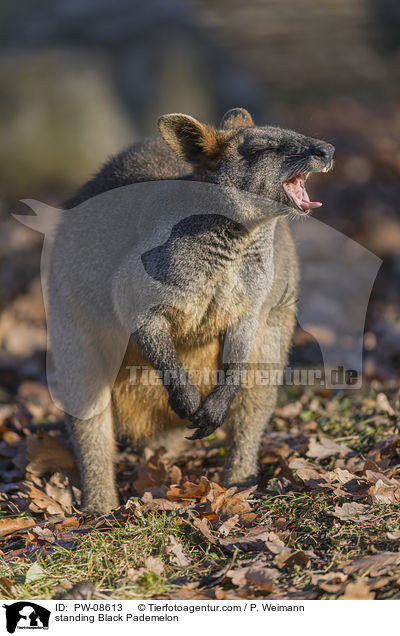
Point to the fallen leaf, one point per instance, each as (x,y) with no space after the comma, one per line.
(291,410)
(11,525)
(375,564)
(204,526)
(382,493)
(351,512)
(262,577)
(331,582)
(326,447)
(40,502)
(155,472)
(175,552)
(253,539)
(187,491)
(227,526)
(226,504)
(34,573)
(59,488)
(393,536)
(8,585)
(288,558)
(154,564)
(46,455)
(383,404)
(356,591)
(43,534)
(83,590)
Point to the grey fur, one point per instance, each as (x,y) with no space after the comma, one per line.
(247,268)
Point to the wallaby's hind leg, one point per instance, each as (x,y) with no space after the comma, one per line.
(253,407)
(94,446)
(246,423)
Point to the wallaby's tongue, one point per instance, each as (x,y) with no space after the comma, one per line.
(296,191)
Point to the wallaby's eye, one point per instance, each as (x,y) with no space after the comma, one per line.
(253,152)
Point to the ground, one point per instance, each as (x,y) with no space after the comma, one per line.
(323,522)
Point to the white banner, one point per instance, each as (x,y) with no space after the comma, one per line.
(174,617)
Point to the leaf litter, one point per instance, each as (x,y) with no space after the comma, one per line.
(324,512)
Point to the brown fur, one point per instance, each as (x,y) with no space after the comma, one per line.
(207,145)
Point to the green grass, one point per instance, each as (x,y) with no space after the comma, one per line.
(111,559)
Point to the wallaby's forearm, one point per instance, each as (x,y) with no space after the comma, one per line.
(238,343)
(154,342)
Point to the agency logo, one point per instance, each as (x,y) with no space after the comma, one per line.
(26,615)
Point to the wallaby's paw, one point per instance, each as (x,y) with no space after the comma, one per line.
(185,400)
(208,417)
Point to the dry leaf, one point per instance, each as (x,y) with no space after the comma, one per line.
(356,591)
(46,455)
(59,489)
(40,502)
(383,404)
(291,410)
(154,473)
(228,525)
(8,585)
(188,491)
(331,582)
(175,552)
(204,526)
(18,523)
(226,504)
(288,558)
(154,564)
(382,493)
(262,577)
(326,447)
(351,512)
(253,539)
(43,534)
(375,564)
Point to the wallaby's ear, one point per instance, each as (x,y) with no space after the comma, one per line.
(197,143)
(236,118)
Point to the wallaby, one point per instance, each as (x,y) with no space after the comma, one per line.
(254,272)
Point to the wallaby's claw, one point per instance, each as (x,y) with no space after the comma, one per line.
(201,422)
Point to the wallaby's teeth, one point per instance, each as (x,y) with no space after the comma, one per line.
(297,193)
(314,204)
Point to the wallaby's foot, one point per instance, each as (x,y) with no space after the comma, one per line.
(241,482)
(99,503)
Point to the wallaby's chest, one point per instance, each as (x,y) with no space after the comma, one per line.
(209,272)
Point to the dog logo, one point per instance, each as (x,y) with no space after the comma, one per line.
(26,615)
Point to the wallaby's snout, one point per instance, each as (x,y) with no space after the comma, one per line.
(325,152)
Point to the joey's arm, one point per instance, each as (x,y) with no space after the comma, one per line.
(154,342)
(238,343)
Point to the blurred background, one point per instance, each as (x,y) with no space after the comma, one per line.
(82,79)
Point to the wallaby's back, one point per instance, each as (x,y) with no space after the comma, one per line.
(150,160)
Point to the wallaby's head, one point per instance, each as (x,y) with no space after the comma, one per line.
(264,160)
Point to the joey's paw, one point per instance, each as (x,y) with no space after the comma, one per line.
(184,400)
(208,417)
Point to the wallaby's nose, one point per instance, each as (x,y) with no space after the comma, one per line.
(325,151)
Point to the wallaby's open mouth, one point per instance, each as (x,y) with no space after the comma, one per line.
(297,193)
